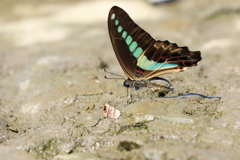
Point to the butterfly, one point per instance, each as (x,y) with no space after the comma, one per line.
(141,57)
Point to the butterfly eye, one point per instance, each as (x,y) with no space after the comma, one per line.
(126,84)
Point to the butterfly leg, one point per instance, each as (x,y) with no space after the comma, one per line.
(129,97)
(152,92)
(146,84)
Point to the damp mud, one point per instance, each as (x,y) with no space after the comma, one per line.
(53,90)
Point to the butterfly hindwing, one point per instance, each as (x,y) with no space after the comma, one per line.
(166,57)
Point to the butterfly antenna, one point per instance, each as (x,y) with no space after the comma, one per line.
(121,77)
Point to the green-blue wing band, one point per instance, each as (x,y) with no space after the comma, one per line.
(145,64)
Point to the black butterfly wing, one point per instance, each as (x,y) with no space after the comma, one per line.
(140,56)
(121,30)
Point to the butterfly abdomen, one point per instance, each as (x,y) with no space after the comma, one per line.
(160,83)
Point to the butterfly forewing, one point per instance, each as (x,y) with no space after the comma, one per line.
(128,40)
(140,56)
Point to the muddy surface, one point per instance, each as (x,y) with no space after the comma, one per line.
(53,90)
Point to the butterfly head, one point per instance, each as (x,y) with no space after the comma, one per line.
(128,83)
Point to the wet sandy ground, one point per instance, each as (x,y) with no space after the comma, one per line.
(52,89)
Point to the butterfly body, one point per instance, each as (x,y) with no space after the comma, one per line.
(157,82)
(141,57)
